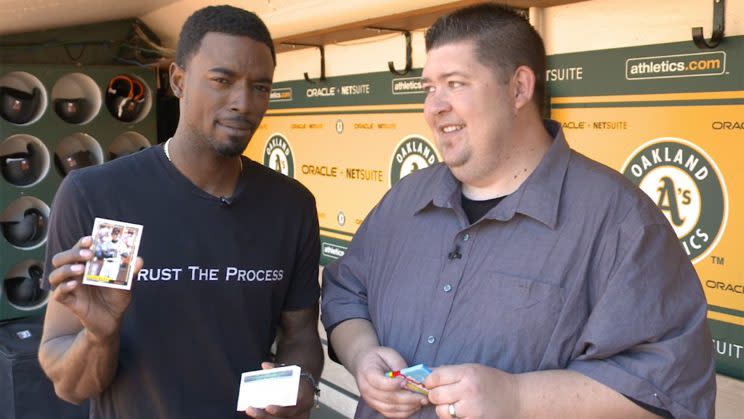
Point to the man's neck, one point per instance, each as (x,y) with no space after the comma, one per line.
(215,174)
(528,147)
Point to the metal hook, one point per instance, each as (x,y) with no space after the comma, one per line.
(322,60)
(718,26)
(409,51)
(322,66)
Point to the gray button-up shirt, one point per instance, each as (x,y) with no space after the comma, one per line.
(577,269)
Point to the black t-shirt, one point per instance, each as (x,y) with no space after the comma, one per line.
(217,276)
(475,210)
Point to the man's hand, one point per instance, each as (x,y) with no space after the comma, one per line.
(80,345)
(99,309)
(356,345)
(476,391)
(305,402)
(297,343)
(384,394)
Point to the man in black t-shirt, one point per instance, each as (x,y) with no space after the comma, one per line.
(229,251)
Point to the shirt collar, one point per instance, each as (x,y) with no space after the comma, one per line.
(538,197)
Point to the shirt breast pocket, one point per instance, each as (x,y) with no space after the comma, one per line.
(512,319)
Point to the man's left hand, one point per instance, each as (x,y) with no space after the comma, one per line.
(305,402)
(475,391)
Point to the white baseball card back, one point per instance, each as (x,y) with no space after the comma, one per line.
(275,386)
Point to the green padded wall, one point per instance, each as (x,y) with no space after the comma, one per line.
(110,133)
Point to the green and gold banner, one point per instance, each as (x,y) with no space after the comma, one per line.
(670,117)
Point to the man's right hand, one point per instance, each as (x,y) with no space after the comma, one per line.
(384,394)
(99,309)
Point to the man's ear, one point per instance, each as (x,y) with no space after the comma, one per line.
(523,86)
(176,76)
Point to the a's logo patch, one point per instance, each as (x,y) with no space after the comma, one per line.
(688,188)
(413,153)
(278,155)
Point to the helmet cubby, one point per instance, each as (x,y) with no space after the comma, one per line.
(128,97)
(127,143)
(23,98)
(76,98)
(23,223)
(24,160)
(77,151)
(21,287)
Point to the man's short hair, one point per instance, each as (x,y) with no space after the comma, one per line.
(504,39)
(222,19)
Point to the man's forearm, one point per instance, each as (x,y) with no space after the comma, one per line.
(351,338)
(298,341)
(305,351)
(80,366)
(566,393)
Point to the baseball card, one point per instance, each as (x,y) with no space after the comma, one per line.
(275,386)
(415,376)
(115,246)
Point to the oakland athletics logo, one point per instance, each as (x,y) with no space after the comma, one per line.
(688,188)
(413,153)
(278,155)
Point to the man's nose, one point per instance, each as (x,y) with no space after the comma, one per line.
(437,103)
(242,99)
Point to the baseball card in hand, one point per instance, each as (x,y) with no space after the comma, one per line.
(275,386)
(414,377)
(115,246)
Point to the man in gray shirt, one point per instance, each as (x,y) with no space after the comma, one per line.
(534,281)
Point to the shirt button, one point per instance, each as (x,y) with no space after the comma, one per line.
(431,339)
(466,237)
(447,288)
